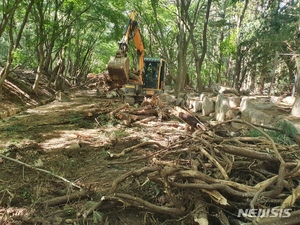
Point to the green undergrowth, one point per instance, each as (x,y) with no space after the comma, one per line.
(77,119)
(285,136)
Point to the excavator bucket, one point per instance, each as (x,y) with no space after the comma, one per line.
(118,70)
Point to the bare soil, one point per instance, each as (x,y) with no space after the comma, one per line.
(73,140)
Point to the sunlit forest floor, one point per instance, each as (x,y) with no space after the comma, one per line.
(57,149)
(73,140)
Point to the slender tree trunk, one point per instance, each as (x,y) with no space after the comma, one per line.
(8,12)
(13,44)
(182,6)
(239,59)
(5,70)
(220,54)
(275,65)
(51,42)
(40,46)
(220,60)
(261,81)
(296,107)
(252,80)
(199,61)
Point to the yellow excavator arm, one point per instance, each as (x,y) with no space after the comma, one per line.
(118,66)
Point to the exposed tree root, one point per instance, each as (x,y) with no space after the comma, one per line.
(67,198)
(225,170)
(132,201)
(127,150)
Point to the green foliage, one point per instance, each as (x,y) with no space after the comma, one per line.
(86,34)
(277,137)
(285,137)
(97,217)
(154,4)
(79,120)
(228,46)
(288,128)
(120,133)
(26,193)
(103,119)
(19,57)
(14,128)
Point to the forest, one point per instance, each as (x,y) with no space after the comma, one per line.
(244,44)
(70,154)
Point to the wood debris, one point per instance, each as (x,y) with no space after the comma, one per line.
(206,174)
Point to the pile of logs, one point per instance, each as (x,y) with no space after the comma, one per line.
(153,109)
(101,81)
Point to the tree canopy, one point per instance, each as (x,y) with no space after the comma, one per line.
(203,41)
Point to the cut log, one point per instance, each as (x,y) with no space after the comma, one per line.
(188,118)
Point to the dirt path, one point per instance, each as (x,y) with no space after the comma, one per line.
(73,140)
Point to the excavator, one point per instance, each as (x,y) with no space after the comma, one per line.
(148,78)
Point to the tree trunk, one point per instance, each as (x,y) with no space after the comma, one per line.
(182,42)
(13,43)
(238,62)
(7,11)
(5,71)
(275,64)
(220,54)
(220,60)
(199,61)
(296,107)
(40,46)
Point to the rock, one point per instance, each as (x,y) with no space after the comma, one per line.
(220,89)
(222,106)
(167,98)
(229,114)
(194,104)
(247,102)
(275,99)
(245,92)
(208,106)
(255,116)
(289,100)
(256,103)
(234,101)
(296,108)
(182,95)
(202,95)
(168,89)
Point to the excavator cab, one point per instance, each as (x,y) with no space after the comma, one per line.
(154,73)
(153,78)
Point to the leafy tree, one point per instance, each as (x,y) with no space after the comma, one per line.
(14,31)
(202,41)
